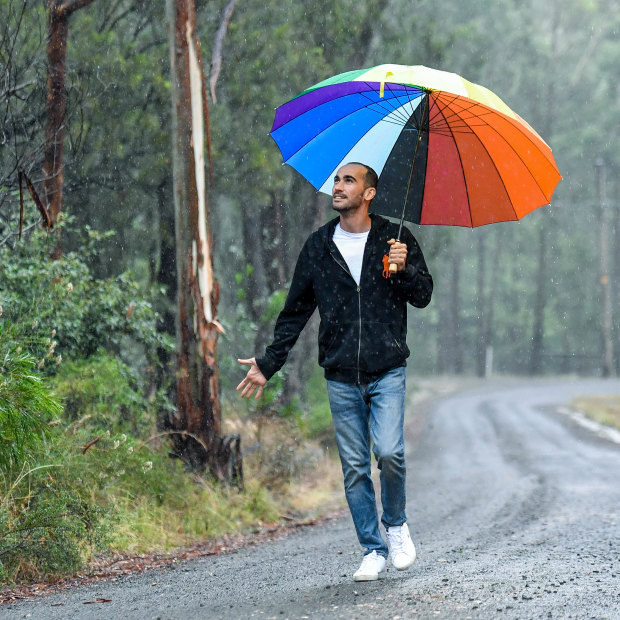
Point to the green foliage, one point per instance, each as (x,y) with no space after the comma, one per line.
(86,491)
(45,517)
(47,523)
(60,310)
(26,406)
(102,392)
(53,506)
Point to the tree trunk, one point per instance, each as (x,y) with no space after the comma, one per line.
(256,287)
(616,281)
(482,331)
(165,274)
(59,12)
(490,306)
(538,329)
(455,326)
(299,370)
(539,305)
(197,420)
(607,352)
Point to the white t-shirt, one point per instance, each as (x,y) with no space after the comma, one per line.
(351,246)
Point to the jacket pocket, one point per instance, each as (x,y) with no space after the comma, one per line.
(381,348)
(338,347)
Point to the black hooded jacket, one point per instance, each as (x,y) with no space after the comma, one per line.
(363,328)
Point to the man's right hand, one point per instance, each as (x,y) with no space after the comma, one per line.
(253,380)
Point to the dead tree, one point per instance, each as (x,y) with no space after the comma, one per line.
(197,419)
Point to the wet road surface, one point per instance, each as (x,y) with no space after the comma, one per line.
(514,509)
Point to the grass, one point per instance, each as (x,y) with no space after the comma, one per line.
(206,512)
(93,483)
(603,409)
(141,501)
(286,477)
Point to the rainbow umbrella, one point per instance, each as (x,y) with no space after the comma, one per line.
(447,151)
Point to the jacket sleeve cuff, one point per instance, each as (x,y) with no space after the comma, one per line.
(267,367)
(407,274)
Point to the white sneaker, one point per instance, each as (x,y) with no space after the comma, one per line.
(371,569)
(401,546)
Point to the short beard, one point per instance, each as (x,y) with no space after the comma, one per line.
(346,208)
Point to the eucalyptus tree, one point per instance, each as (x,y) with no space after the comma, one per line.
(196,424)
(59,13)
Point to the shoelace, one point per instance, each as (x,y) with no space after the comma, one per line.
(397,539)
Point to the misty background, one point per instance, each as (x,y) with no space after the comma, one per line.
(526,298)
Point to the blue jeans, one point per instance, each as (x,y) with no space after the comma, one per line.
(361,413)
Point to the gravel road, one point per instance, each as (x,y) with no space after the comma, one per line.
(512,505)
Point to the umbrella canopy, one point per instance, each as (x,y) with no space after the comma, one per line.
(447,151)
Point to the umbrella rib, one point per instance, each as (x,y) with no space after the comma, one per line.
(388,102)
(494,166)
(382,119)
(467,108)
(413,109)
(454,114)
(385,104)
(407,92)
(522,130)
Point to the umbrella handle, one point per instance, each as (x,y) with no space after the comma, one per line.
(393,268)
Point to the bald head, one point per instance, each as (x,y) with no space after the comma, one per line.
(371,179)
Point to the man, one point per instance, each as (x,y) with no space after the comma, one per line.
(343,270)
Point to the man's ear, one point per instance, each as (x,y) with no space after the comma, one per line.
(370,193)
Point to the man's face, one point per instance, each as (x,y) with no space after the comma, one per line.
(349,189)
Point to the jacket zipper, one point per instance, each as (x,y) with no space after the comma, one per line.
(359,335)
(359,305)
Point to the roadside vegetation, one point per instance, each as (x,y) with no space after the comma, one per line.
(603,409)
(84,466)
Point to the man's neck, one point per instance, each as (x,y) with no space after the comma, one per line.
(355,222)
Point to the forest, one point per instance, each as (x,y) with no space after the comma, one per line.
(89,314)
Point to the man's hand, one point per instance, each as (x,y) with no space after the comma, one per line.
(398,254)
(254,379)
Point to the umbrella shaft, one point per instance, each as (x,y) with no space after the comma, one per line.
(415,156)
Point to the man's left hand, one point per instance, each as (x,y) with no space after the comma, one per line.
(398,254)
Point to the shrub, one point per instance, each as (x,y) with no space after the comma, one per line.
(26,406)
(45,519)
(59,307)
(102,392)
(47,523)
